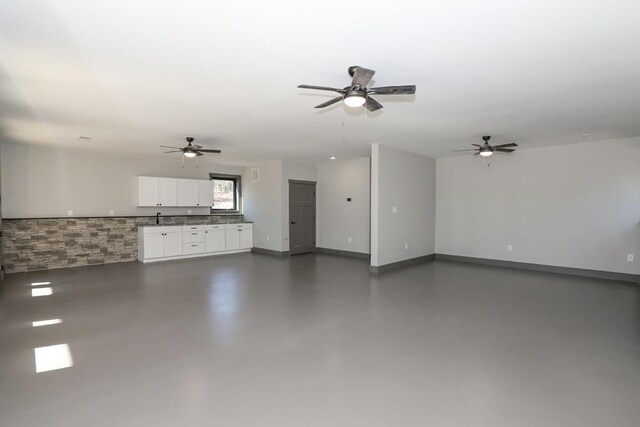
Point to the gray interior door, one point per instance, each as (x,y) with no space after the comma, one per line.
(302,217)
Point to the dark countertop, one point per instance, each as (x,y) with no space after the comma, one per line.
(204,223)
(122,216)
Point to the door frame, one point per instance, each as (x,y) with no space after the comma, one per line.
(310,183)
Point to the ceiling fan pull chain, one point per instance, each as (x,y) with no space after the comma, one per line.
(366,126)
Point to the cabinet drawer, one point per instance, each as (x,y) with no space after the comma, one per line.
(239,226)
(192,248)
(192,236)
(215,227)
(193,228)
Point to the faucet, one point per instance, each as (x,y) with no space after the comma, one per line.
(158,218)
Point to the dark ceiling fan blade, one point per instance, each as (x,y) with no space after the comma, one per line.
(477,154)
(504,150)
(333,89)
(198,154)
(460,151)
(206,150)
(173,151)
(372,105)
(330,102)
(362,76)
(394,90)
(512,144)
(168,146)
(477,145)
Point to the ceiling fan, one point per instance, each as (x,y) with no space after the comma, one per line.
(357,94)
(487,150)
(190,150)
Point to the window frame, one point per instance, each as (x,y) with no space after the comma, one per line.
(237,194)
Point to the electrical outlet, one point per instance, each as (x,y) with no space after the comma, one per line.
(69,212)
(630,257)
(509,248)
(394,209)
(406,246)
(111,212)
(349,240)
(268,238)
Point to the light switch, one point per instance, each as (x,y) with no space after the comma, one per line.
(394,210)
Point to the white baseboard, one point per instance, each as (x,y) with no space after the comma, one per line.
(169,258)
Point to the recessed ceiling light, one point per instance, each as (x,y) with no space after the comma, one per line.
(332,157)
(587,135)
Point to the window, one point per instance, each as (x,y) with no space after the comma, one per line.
(226,193)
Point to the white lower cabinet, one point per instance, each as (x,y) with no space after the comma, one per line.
(246,238)
(232,239)
(239,236)
(214,240)
(154,245)
(157,243)
(173,243)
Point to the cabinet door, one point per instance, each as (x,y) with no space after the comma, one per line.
(187,192)
(147,191)
(246,238)
(232,239)
(167,191)
(214,240)
(173,243)
(153,245)
(205,193)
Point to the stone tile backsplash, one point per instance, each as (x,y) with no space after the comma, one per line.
(43,244)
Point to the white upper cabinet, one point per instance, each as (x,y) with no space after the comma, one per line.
(154,191)
(205,193)
(187,190)
(167,192)
(147,191)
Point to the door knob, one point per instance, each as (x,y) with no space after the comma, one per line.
(293,222)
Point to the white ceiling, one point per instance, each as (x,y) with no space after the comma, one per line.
(135,74)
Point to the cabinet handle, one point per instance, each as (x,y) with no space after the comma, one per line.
(193,246)
(194,234)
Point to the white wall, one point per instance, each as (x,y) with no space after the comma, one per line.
(266,202)
(405,181)
(337,219)
(39,181)
(572,206)
(262,203)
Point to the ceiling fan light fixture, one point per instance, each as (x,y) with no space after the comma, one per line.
(355,98)
(190,154)
(486,153)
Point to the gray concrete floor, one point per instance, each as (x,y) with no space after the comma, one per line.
(250,340)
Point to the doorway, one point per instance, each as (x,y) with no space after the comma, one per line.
(302,217)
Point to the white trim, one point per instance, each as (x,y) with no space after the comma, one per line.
(169,258)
